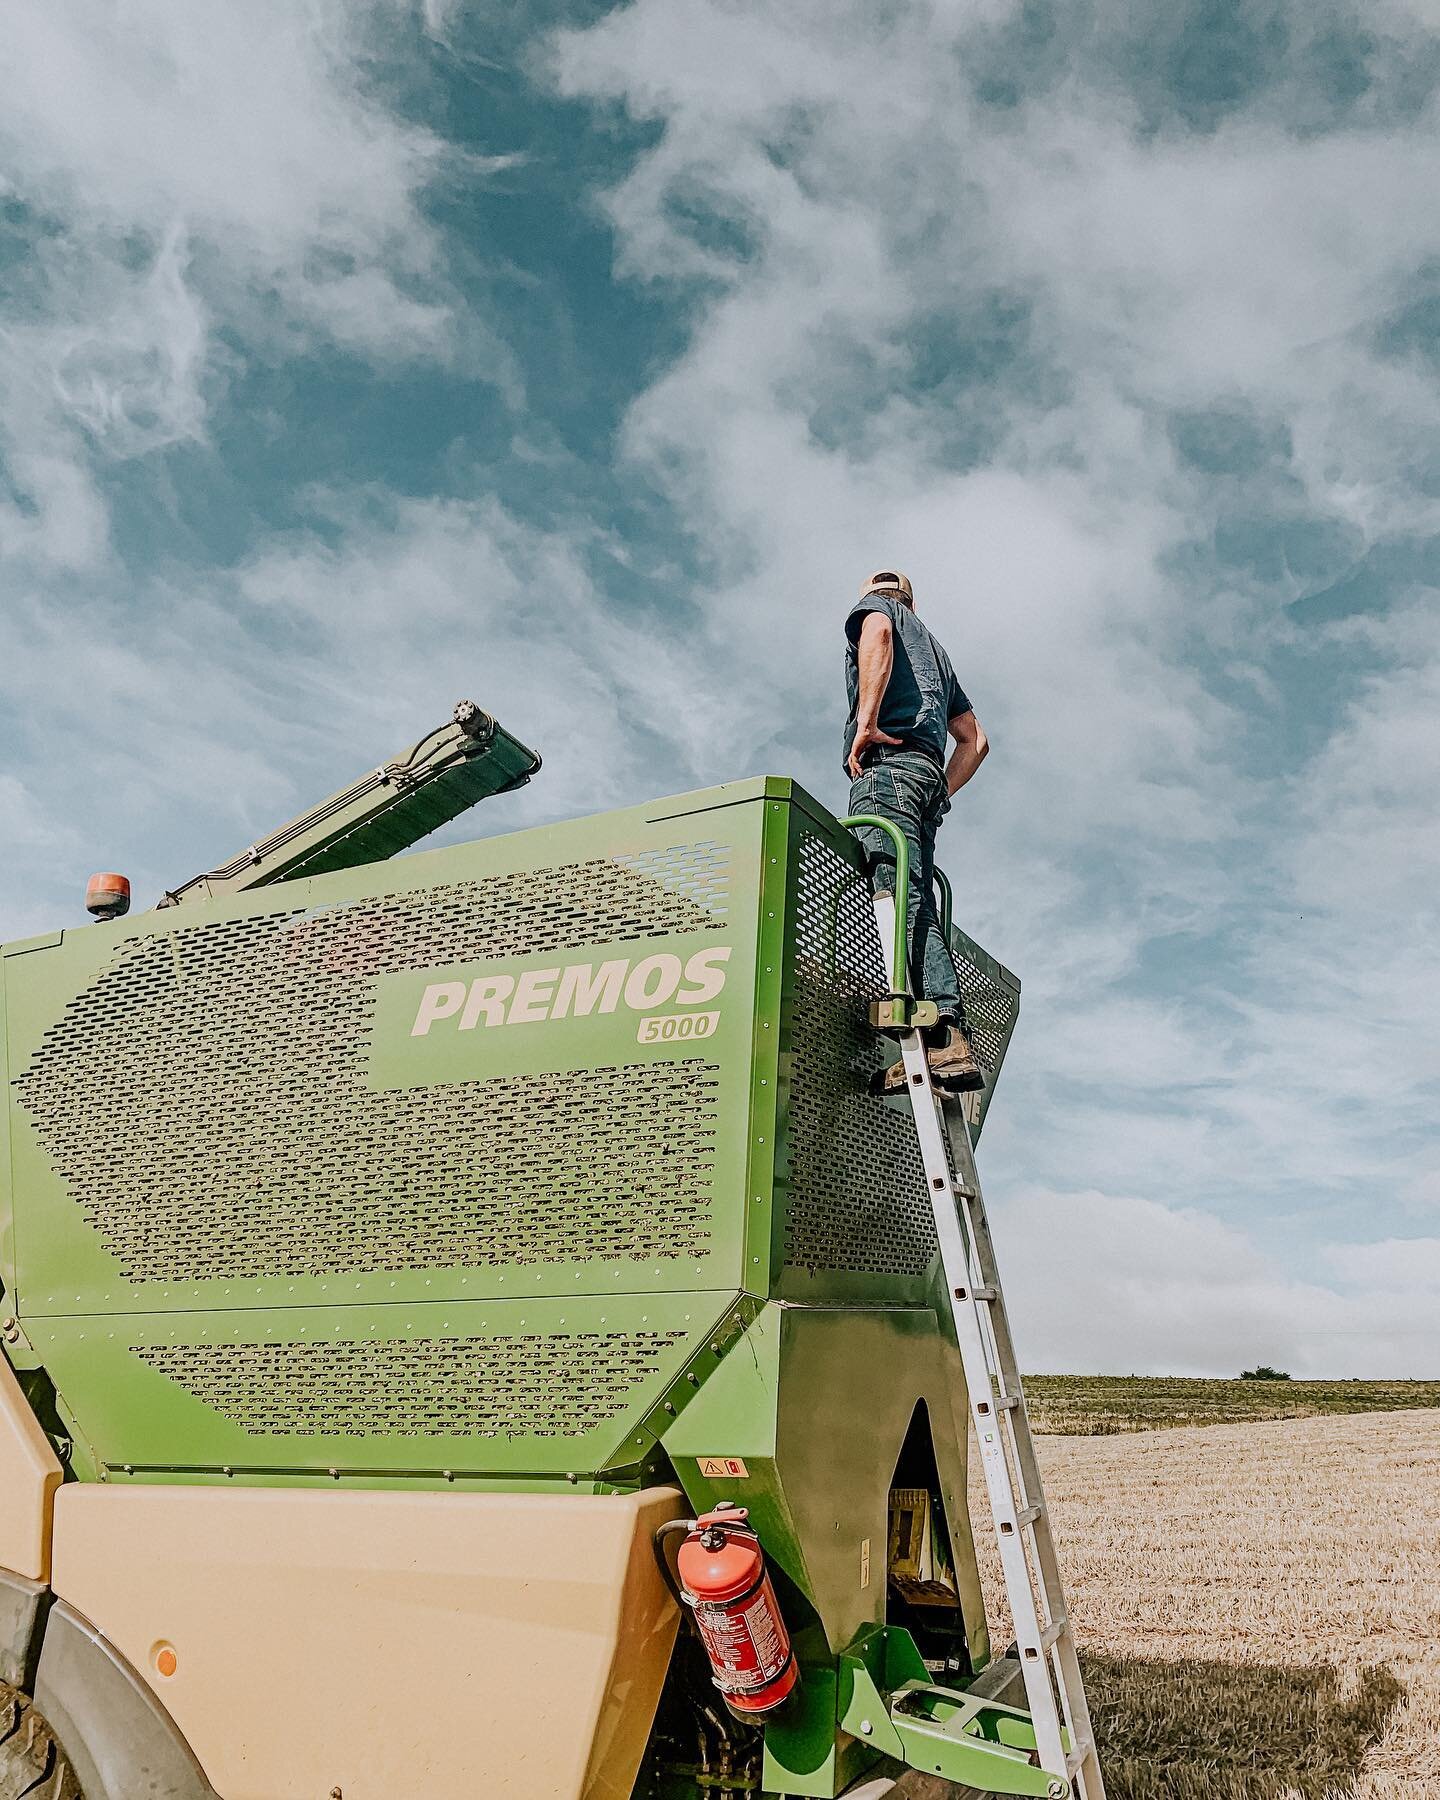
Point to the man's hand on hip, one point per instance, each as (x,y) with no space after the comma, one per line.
(866,736)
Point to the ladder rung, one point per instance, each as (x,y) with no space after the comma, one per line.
(1050,1636)
(1006,1402)
(1075,1761)
(984,1293)
(1026,1516)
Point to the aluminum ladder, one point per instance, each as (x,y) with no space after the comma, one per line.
(1054,1687)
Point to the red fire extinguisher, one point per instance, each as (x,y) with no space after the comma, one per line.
(724,1580)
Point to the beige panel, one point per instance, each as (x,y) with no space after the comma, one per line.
(385,1644)
(29,1475)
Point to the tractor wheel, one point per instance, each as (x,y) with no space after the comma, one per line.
(32,1764)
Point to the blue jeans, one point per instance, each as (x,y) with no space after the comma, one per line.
(908,788)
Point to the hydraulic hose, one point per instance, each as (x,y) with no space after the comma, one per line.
(662,1536)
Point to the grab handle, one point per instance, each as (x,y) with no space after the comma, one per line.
(900,976)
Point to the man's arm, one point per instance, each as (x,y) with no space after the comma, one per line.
(876,652)
(971,748)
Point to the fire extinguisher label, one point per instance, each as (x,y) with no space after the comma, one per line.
(746,1647)
(760,1622)
(728,1645)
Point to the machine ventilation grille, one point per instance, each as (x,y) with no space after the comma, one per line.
(858,1196)
(205,1098)
(564,1385)
(698,872)
(990,1012)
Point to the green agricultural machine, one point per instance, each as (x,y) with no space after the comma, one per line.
(395,1250)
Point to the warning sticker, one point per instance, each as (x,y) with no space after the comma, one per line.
(722,1468)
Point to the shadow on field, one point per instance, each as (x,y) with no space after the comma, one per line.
(1218,1731)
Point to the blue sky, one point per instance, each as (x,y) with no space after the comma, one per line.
(357,356)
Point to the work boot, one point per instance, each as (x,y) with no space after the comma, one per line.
(953,1065)
(892,1080)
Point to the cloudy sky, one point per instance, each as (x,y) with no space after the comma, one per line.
(359,354)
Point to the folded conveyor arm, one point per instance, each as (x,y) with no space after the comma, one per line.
(384,812)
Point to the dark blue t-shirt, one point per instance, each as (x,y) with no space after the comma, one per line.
(922,695)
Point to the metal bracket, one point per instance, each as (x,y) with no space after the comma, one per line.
(901,1012)
(887,1700)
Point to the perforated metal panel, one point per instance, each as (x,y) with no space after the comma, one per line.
(698,872)
(990,1007)
(857,1203)
(205,1097)
(857,1194)
(564,1384)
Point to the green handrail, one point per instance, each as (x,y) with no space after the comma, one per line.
(900,971)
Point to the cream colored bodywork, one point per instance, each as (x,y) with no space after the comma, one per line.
(29,1475)
(383,1644)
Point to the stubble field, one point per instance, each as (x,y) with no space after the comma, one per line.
(1257,1605)
(1102,1404)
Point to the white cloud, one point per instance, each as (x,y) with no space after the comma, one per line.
(39,844)
(174,170)
(1109,1284)
(836,256)
(216,709)
(127,366)
(250,128)
(1347,979)
(1394,1265)
(423,593)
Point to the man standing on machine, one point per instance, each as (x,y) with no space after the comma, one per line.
(905,707)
